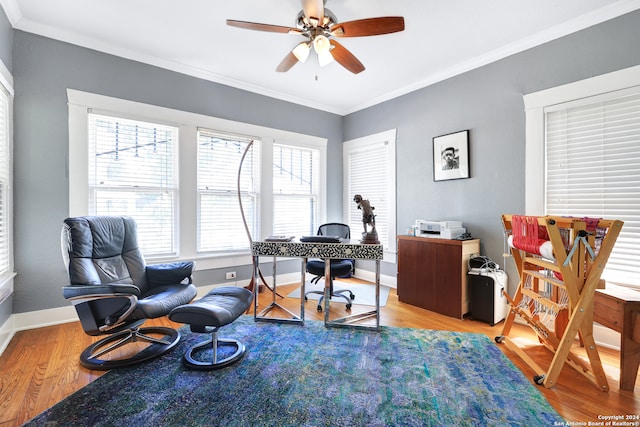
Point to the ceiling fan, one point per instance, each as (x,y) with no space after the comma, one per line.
(318,25)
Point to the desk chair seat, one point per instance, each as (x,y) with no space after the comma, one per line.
(339,267)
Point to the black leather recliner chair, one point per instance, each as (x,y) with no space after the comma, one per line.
(114,292)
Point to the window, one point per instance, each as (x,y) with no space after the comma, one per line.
(593,170)
(132,171)
(295,190)
(369,170)
(5,186)
(179,170)
(583,159)
(220,225)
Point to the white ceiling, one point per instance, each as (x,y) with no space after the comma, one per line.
(441,39)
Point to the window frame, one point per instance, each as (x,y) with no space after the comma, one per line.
(536,106)
(388,138)
(80,103)
(316,192)
(6,277)
(253,156)
(134,190)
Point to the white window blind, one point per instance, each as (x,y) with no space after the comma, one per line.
(5,183)
(295,190)
(368,175)
(593,170)
(220,226)
(133,171)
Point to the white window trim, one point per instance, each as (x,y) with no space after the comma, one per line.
(388,136)
(535,104)
(80,103)
(6,280)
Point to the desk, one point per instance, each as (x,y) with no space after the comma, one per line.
(351,249)
(619,309)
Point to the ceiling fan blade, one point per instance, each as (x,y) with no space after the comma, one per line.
(369,27)
(263,27)
(345,58)
(289,61)
(313,11)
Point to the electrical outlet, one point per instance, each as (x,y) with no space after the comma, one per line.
(230,275)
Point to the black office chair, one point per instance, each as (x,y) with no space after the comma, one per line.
(114,292)
(339,267)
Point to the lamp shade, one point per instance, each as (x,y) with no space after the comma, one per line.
(301,52)
(325,58)
(321,44)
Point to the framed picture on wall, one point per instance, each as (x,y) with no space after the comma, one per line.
(451,156)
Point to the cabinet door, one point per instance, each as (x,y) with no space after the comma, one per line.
(446,283)
(416,276)
(407,271)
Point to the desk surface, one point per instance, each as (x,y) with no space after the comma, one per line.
(351,249)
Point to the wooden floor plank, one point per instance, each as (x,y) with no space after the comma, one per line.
(40,367)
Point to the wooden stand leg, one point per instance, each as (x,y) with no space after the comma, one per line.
(630,352)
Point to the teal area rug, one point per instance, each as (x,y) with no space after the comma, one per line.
(309,375)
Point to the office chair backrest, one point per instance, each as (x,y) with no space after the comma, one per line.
(102,250)
(335,229)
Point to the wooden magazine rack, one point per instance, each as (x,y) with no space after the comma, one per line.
(559,261)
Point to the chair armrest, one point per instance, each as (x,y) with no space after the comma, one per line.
(75,291)
(113,315)
(169,273)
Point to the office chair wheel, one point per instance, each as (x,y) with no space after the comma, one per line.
(319,308)
(348,306)
(352,296)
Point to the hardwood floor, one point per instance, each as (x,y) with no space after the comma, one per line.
(40,367)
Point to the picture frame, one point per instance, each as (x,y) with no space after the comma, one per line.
(451,156)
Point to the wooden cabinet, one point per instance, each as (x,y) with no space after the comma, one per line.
(432,273)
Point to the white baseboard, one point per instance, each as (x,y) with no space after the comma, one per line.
(7,331)
(43,318)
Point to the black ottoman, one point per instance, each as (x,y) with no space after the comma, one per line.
(219,307)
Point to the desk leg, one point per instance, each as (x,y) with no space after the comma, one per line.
(327,289)
(303,280)
(275,285)
(262,316)
(255,288)
(348,321)
(377,295)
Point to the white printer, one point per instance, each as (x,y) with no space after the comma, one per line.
(439,229)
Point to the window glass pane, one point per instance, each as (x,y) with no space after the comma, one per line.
(295,190)
(132,171)
(368,177)
(593,170)
(220,225)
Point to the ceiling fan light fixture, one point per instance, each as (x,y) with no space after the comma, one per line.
(301,52)
(325,58)
(321,44)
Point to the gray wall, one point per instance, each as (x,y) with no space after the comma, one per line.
(487,101)
(43,69)
(6,40)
